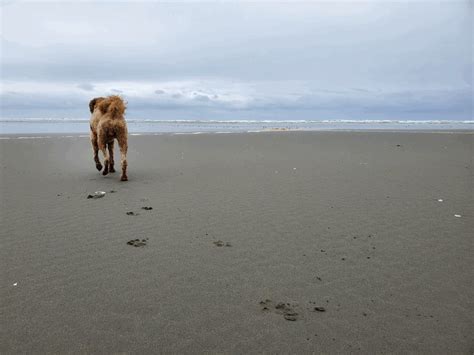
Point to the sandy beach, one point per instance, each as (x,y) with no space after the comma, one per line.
(277,242)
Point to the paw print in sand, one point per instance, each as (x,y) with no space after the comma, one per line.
(137,242)
(220,243)
(286,309)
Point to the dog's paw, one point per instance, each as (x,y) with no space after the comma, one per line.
(111,170)
(124,178)
(98,166)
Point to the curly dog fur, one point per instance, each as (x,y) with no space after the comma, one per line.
(108,123)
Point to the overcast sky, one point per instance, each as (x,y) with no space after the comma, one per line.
(239,60)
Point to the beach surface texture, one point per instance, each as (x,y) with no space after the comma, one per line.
(278,242)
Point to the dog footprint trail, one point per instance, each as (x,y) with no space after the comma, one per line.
(137,242)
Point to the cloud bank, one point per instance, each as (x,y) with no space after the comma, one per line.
(311,60)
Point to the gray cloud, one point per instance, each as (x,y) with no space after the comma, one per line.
(309,103)
(202,98)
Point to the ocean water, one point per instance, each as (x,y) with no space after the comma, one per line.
(74,126)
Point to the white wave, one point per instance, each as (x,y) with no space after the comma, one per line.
(231,122)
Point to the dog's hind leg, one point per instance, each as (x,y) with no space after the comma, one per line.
(123,156)
(103,148)
(95,148)
(110,146)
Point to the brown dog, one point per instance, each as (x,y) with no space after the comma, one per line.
(108,123)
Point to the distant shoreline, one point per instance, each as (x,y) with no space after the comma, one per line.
(78,126)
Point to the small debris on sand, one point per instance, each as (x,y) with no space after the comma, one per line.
(131,213)
(319,309)
(147,208)
(97,194)
(457,216)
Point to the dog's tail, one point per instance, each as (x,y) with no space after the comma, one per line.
(114,105)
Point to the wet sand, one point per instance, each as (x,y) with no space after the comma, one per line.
(284,242)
